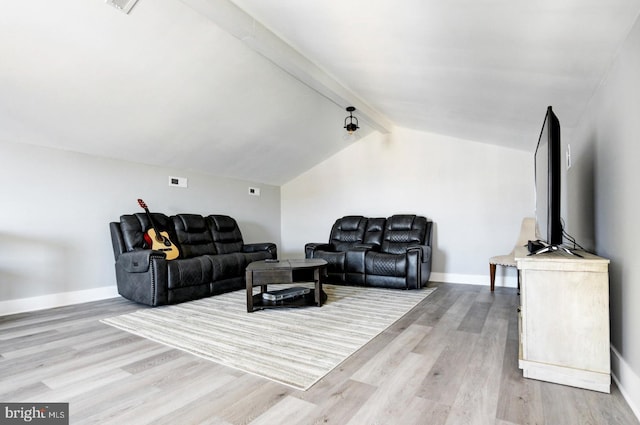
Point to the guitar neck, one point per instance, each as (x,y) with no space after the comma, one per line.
(153,223)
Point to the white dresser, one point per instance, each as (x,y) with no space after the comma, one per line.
(564,319)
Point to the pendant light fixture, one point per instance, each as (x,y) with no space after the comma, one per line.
(352,125)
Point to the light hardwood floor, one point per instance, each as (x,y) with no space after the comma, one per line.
(451,360)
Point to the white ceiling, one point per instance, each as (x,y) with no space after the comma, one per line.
(175,84)
(481,70)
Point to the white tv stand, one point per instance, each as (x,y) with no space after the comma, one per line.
(564,319)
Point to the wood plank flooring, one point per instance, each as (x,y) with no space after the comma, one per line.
(451,360)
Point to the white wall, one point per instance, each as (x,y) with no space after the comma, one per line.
(56,206)
(476,194)
(604,201)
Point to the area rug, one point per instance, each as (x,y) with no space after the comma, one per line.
(293,346)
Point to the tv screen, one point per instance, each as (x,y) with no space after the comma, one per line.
(547,181)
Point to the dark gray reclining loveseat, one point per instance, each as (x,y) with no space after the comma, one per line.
(212,260)
(392,252)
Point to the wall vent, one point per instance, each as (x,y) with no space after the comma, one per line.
(123,5)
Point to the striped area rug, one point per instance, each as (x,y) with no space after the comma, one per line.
(293,346)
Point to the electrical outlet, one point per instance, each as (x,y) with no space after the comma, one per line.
(177,181)
(254,191)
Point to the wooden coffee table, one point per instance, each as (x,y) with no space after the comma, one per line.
(263,273)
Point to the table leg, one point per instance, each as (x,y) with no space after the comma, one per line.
(249,279)
(317,277)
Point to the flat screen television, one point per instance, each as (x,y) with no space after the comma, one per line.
(547,182)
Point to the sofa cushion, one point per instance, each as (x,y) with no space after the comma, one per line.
(225,233)
(226,266)
(189,272)
(384,264)
(193,235)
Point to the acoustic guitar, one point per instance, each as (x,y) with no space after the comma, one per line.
(158,240)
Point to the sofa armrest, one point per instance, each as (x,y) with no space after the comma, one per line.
(138,261)
(261,246)
(142,276)
(311,247)
(418,260)
(414,266)
(426,253)
(425,267)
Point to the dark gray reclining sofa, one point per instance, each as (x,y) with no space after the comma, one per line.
(212,260)
(392,252)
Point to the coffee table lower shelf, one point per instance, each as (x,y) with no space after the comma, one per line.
(302,301)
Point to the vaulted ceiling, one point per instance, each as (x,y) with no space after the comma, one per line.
(256,89)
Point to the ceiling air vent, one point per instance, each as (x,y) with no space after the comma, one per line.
(124,5)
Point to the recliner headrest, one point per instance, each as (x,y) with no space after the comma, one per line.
(223,223)
(350,222)
(401,222)
(192,223)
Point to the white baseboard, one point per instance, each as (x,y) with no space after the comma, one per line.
(505,280)
(627,381)
(41,302)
